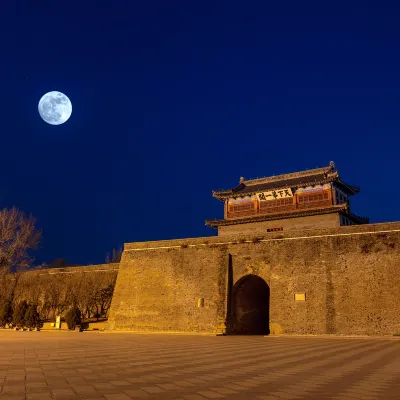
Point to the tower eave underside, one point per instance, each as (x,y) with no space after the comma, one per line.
(342,209)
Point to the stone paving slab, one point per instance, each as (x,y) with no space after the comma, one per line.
(73,365)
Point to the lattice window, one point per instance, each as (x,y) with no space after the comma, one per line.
(314,197)
(276,203)
(241,207)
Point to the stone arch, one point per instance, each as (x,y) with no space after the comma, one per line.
(249,303)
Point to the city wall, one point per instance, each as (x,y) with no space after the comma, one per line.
(350,277)
(55,289)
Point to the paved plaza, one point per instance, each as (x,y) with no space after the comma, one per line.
(123,366)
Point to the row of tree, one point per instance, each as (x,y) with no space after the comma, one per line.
(26,315)
(52,293)
(28,297)
(23,315)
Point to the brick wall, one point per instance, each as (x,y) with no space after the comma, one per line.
(158,290)
(309,222)
(86,268)
(350,276)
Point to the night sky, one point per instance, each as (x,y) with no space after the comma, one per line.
(172,100)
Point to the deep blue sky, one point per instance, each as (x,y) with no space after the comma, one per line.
(171,100)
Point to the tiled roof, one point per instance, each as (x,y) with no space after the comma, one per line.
(319,176)
(294,214)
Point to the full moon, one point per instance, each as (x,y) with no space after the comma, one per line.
(55,108)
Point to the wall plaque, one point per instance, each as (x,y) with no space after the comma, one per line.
(275,194)
(300,297)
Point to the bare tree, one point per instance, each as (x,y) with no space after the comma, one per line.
(84,285)
(115,257)
(53,298)
(104,299)
(7,285)
(101,294)
(54,293)
(18,235)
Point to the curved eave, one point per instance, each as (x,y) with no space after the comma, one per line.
(223,195)
(295,214)
(348,188)
(355,218)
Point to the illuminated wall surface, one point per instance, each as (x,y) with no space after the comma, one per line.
(342,280)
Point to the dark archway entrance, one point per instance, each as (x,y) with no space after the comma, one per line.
(249,311)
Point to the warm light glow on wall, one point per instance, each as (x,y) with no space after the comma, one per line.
(300,297)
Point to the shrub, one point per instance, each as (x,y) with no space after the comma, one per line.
(73,317)
(6,313)
(31,319)
(19,314)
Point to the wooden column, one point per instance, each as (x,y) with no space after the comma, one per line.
(333,193)
(330,196)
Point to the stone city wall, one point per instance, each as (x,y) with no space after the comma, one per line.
(350,277)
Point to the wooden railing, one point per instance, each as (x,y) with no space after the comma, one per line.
(264,210)
(238,214)
(316,204)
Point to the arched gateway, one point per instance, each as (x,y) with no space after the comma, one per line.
(249,307)
(188,285)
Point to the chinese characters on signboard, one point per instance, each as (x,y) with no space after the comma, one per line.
(275,194)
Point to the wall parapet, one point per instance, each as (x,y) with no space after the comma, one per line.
(77,269)
(366,229)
